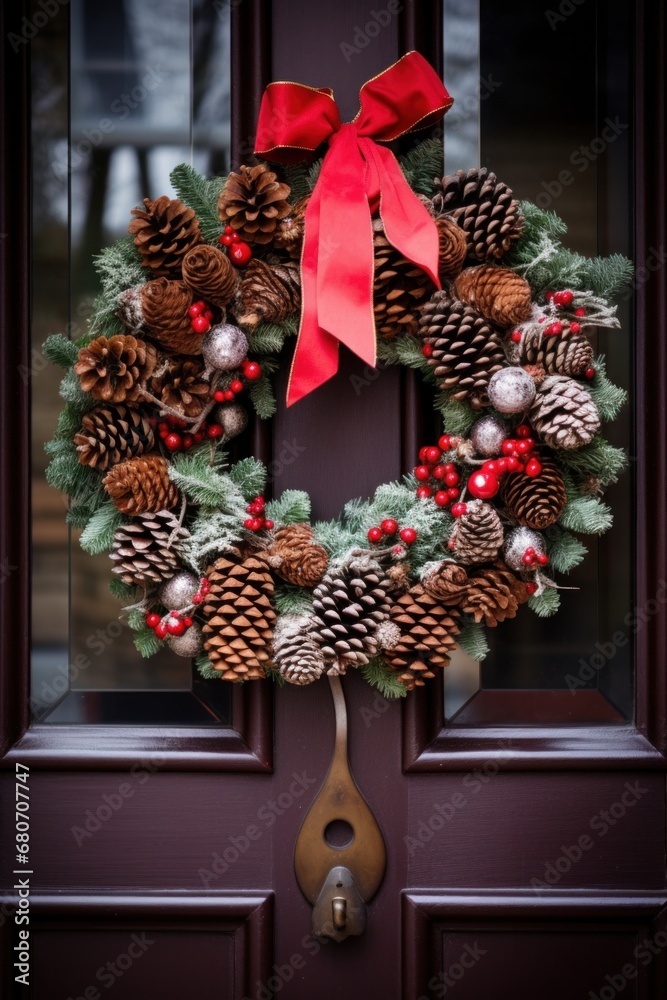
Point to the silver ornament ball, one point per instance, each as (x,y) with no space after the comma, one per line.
(233,418)
(178,592)
(517,541)
(224,347)
(511,390)
(187,644)
(488,434)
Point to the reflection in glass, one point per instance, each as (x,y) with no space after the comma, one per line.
(123,91)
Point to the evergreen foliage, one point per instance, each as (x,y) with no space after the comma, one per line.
(385,680)
(98,535)
(472,639)
(422,164)
(201,195)
(565,551)
(545,604)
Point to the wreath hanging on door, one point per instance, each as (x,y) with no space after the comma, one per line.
(470,288)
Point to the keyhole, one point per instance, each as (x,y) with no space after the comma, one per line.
(339,834)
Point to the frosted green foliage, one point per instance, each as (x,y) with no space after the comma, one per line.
(98,535)
(599,458)
(147,642)
(291,600)
(250,476)
(292,507)
(204,668)
(202,195)
(457,416)
(60,351)
(545,604)
(404,350)
(609,398)
(122,591)
(472,639)
(565,551)
(585,514)
(119,267)
(211,534)
(202,484)
(385,680)
(269,338)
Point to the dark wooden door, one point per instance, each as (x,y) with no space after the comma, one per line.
(525,829)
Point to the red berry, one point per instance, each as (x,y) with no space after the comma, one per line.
(483,485)
(553,329)
(580,311)
(444,442)
(533,468)
(564,298)
(195,309)
(491,467)
(548,296)
(163,426)
(523,431)
(513,463)
(227,239)
(422,473)
(257,523)
(260,501)
(389,526)
(187,621)
(173,441)
(440,472)
(239,253)
(515,336)
(188,441)
(228,395)
(197,598)
(590,373)
(199,436)
(164,433)
(408,536)
(374,535)
(268,524)
(422,453)
(508,446)
(442,498)
(575,327)
(520,467)
(229,231)
(161,630)
(219,395)
(452,479)
(251,370)
(176,626)
(204,585)
(236,386)
(458,509)
(432,455)
(543,559)
(209,315)
(531,587)
(200,324)
(153,619)
(453,493)
(527,560)
(424,492)
(450,467)
(530,551)
(215,430)
(248,523)
(524,446)
(501,466)
(427,350)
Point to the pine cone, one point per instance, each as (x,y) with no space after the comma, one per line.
(494,593)
(349,604)
(145,552)
(289,232)
(110,434)
(477,535)
(268,292)
(253,201)
(179,383)
(399,288)
(400,578)
(560,355)
(113,369)
(295,556)
(165,307)
(501,295)
(210,274)
(141,485)
(453,248)
(239,616)
(466,349)
(535,502)
(164,230)
(563,413)
(428,632)
(447,582)
(484,208)
(295,653)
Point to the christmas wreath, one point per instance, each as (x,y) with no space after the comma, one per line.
(196,305)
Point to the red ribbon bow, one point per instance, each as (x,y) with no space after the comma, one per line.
(357,178)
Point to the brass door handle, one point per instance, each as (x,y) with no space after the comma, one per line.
(339,881)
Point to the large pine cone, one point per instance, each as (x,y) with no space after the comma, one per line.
(254,201)
(500,294)
(289,232)
(179,383)
(113,369)
(239,616)
(477,535)
(295,556)
(349,604)
(484,208)
(559,355)
(494,593)
(141,485)
(268,293)
(295,652)
(210,274)
(145,551)
(400,288)
(164,230)
(466,349)
(428,635)
(538,501)
(110,434)
(447,582)
(563,413)
(164,306)
(453,248)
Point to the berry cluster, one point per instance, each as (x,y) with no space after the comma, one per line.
(201,316)
(250,370)
(173,623)
(257,521)
(238,252)
(516,457)
(556,327)
(174,434)
(438,479)
(202,592)
(388,529)
(531,558)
